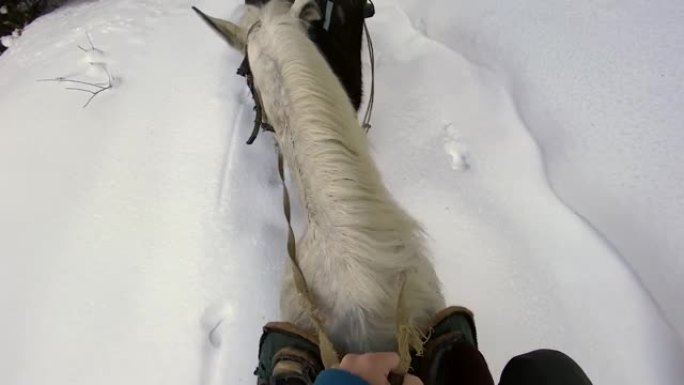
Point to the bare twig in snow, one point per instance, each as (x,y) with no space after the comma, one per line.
(92,47)
(97,88)
(64,79)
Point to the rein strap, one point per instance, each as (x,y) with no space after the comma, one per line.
(329,356)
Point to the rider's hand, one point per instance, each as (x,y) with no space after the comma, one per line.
(375,368)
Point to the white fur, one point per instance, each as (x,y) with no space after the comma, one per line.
(358,241)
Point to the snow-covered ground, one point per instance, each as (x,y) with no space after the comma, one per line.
(141,242)
(599,86)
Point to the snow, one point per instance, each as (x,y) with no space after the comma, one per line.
(598,85)
(143,241)
(3,10)
(8,40)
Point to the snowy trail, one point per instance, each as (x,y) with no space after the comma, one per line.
(143,242)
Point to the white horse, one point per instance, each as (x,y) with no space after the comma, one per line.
(359,245)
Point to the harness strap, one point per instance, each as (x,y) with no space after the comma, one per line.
(329,356)
(409,337)
(371,98)
(246,71)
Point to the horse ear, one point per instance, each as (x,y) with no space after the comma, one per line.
(233,34)
(306,10)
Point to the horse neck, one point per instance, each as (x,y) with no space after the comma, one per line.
(337,184)
(318,131)
(328,153)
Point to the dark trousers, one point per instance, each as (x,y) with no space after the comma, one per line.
(543,367)
(465,365)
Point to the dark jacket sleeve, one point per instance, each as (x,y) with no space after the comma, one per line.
(338,377)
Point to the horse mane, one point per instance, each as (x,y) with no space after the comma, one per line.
(358,241)
(329,118)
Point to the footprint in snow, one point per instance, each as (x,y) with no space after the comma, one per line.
(456,149)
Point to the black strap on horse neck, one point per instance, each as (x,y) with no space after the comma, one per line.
(245,71)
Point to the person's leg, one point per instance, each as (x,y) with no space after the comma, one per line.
(287,356)
(451,356)
(461,363)
(543,367)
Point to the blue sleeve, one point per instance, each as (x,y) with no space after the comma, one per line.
(338,377)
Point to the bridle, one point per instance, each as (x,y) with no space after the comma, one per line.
(245,71)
